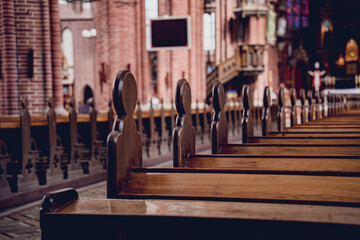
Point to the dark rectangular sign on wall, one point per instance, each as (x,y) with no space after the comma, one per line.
(170,33)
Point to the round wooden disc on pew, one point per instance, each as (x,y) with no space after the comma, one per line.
(183,97)
(124,93)
(219,97)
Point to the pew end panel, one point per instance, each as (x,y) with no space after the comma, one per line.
(246,120)
(266,118)
(219,127)
(293,113)
(124,142)
(281,110)
(184,133)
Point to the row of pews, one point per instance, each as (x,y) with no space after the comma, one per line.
(42,150)
(31,154)
(298,182)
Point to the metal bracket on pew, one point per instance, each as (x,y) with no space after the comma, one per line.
(281,110)
(293,114)
(124,141)
(219,128)
(246,121)
(183,134)
(266,113)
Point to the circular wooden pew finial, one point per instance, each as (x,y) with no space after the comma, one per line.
(267,97)
(183,97)
(219,97)
(124,93)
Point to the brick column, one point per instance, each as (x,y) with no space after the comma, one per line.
(9,57)
(55,28)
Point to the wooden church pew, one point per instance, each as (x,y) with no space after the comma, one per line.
(287,146)
(195,199)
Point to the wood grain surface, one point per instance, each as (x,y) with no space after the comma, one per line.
(283,149)
(263,187)
(276,164)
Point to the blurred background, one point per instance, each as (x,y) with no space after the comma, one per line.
(74,48)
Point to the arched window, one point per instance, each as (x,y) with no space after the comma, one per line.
(67,46)
(326,33)
(88,93)
(351,51)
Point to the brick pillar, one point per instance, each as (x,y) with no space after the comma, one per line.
(46,55)
(55,28)
(9,57)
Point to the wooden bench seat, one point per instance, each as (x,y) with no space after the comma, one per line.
(315,134)
(277,164)
(160,219)
(212,185)
(306,140)
(324,130)
(292,149)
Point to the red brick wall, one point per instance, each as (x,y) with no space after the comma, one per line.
(189,64)
(26,25)
(121,43)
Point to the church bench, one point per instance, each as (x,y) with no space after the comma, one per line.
(67,217)
(321,140)
(297,157)
(325,140)
(195,198)
(277,164)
